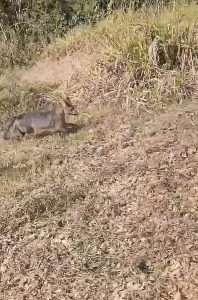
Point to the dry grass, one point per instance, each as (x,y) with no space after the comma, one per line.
(128,34)
(111,217)
(109,212)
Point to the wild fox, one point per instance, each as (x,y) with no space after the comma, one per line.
(41,122)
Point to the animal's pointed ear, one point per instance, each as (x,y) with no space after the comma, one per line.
(68,101)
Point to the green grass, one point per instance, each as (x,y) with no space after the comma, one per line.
(129,34)
(121,43)
(119,39)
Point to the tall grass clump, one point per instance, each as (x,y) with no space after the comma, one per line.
(129,34)
(121,41)
(122,33)
(25,31)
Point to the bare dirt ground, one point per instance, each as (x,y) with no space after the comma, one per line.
(107,213)
(59,70)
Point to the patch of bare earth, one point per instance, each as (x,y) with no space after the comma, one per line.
(61,70)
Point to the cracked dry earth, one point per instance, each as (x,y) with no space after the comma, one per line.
(112,215)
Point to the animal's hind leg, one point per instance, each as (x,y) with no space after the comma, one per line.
(20,129)
(19,134)
(16,132)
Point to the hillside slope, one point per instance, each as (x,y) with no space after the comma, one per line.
(111,217)
(109,212)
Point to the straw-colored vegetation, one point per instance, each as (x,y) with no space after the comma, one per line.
(109,212)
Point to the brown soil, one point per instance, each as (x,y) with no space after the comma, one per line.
(60,70)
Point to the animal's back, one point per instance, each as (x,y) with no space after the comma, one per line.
(38,123)
(37,119)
